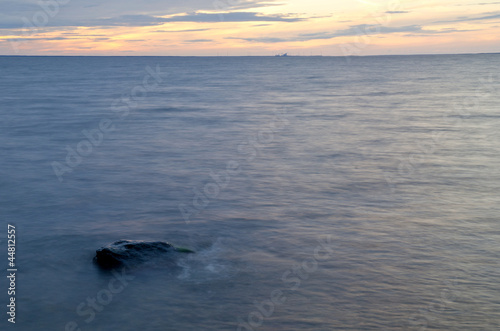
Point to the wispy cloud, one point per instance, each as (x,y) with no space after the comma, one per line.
(199,41)
(181,31)
(44,38)
(484,17)
(356,30)
(231,17)
(479,4)
(243,4)
(13,14)
(149,20)
(397,12)
(433,33)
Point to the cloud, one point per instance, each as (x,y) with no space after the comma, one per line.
(14,14)
(432,33)
(356,30)
(242,4)
(199,41)
(82,35)
(231,17)
(264,39)
(39,39)
(108,8)
(487,16)
(18,8)
(180,31)
(146,20)
(479,4)
(150,20)
(364,29)
(396,12)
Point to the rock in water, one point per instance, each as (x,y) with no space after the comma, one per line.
(124,252)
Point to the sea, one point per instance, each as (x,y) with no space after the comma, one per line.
(318,193)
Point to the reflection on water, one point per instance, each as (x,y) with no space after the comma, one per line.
(392,160)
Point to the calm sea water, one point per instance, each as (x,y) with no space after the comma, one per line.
(319,193)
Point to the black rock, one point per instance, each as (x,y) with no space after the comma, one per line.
(126,252)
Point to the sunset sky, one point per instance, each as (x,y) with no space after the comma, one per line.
(248,27)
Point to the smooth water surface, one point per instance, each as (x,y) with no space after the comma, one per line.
(320,193)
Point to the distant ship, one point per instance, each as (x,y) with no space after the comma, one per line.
(280,55)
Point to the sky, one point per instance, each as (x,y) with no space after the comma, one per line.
(248,27)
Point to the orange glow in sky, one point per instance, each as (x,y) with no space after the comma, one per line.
(249,27)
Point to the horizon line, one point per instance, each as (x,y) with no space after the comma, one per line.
(317,55)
